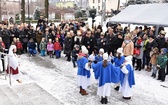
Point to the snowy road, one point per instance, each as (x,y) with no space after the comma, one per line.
(58,77)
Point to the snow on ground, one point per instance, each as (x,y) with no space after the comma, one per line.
(58,77)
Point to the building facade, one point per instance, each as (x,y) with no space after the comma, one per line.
(98,4)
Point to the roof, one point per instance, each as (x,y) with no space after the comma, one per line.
(148,14)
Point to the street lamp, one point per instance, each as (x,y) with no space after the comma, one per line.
(93,16)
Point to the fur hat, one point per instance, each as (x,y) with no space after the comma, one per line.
(105,56)
(162,32)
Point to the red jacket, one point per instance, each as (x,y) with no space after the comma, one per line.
(19,45)
(57,46)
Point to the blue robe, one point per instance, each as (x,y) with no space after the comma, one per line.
(131,79)
(119,62)
(108,74)
(81,67)
(98,58)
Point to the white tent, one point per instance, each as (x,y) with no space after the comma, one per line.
(144,14)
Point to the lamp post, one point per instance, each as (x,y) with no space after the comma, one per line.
(93,16)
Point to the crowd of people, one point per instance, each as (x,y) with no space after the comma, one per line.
(147,50)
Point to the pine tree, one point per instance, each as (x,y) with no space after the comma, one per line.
(37,14)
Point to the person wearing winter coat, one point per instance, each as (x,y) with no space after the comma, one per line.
(89,42)
(50,48)
(127,79)
(128,46)
(19,46)
(38,38)
(68,46)
(149,46)
(106,73)
(161,64)
(154,56)
(75,53)
(139,57)
(161,40)
(32,47)
(57,48)
(111,41)
(43,47)
(102,42)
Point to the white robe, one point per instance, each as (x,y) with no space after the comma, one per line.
(125,88)
(83,80)
(104,90)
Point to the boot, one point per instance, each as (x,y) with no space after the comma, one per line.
(126,98)
(80,91)
(84,92)
(154,75)
(117,88)
(106,100)
(102,100)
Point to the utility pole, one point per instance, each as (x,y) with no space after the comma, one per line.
(46,5)
(103,11)
(23,11)
(118,7)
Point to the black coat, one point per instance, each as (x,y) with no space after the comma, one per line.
(111,43)
(6,36)
(160,42)
(89,42)
(68,45)
(149,47)
(102,43)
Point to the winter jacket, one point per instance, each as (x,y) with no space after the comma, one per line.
(57,46)
(50,47)
(43,46)
(31,45)
(68,45)
(38,37)
(162,60)
(19,45)
(128,49)
(153,59)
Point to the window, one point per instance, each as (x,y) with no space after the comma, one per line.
(98,1)
(93,7)
(93,1)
